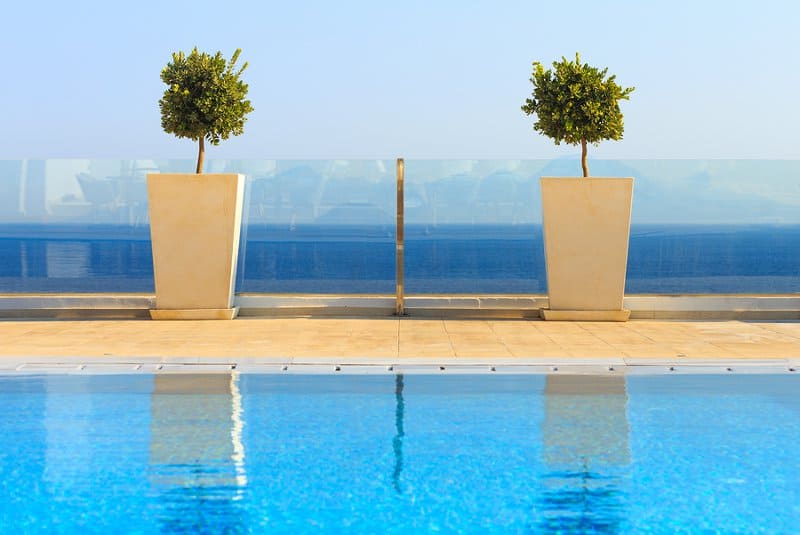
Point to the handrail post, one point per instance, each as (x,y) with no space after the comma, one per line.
(399,305)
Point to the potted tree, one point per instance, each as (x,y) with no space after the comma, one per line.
(195,219)
(586,220)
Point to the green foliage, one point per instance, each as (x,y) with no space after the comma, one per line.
(576,103)
(205,97)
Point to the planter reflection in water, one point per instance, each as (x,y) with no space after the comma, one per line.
(196,460)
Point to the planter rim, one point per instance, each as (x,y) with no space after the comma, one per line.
(587,177)
(189,175)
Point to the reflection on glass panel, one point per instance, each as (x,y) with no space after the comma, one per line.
(108,192)
(81,225)
(75,226)
(586,453)
(473,227)
(197,458)
(727,259)
(320,227)
(715,226)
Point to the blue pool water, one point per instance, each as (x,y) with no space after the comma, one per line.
(181,453)
(480,259)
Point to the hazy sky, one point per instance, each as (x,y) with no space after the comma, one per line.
(419,79)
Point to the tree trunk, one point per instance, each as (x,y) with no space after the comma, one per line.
(201,154)
(584,163)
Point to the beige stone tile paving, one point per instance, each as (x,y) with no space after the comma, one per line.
(701,350)
(544,351)
(647,351)
(787,331)
(758,350)
(472,345)
(506,327)
(460,327)
(521,346)
(438,350)
(486,350)
(407,327)
(394,338)
(584,351)
(617,334)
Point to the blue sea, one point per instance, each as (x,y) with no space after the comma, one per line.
(473,259)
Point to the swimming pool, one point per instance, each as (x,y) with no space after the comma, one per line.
(388,452)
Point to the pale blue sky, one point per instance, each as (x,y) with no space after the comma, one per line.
(419,79)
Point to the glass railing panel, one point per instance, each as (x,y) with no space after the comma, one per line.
(713,226)
(75,226)
(473,227)
(324,226)
(716,226)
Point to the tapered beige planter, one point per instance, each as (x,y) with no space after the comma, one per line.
(195,223)
(586,231)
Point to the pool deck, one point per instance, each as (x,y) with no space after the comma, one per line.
(388,340)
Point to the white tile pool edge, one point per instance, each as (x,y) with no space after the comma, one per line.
(331,366)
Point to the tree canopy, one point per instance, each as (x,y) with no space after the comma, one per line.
(576,103)
(204,99)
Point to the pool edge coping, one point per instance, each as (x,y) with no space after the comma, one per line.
(383,366)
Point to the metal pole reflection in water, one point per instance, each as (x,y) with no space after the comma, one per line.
(397,442)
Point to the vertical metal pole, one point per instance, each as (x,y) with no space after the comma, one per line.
(399,307)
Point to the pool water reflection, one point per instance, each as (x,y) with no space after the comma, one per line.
(233,453)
